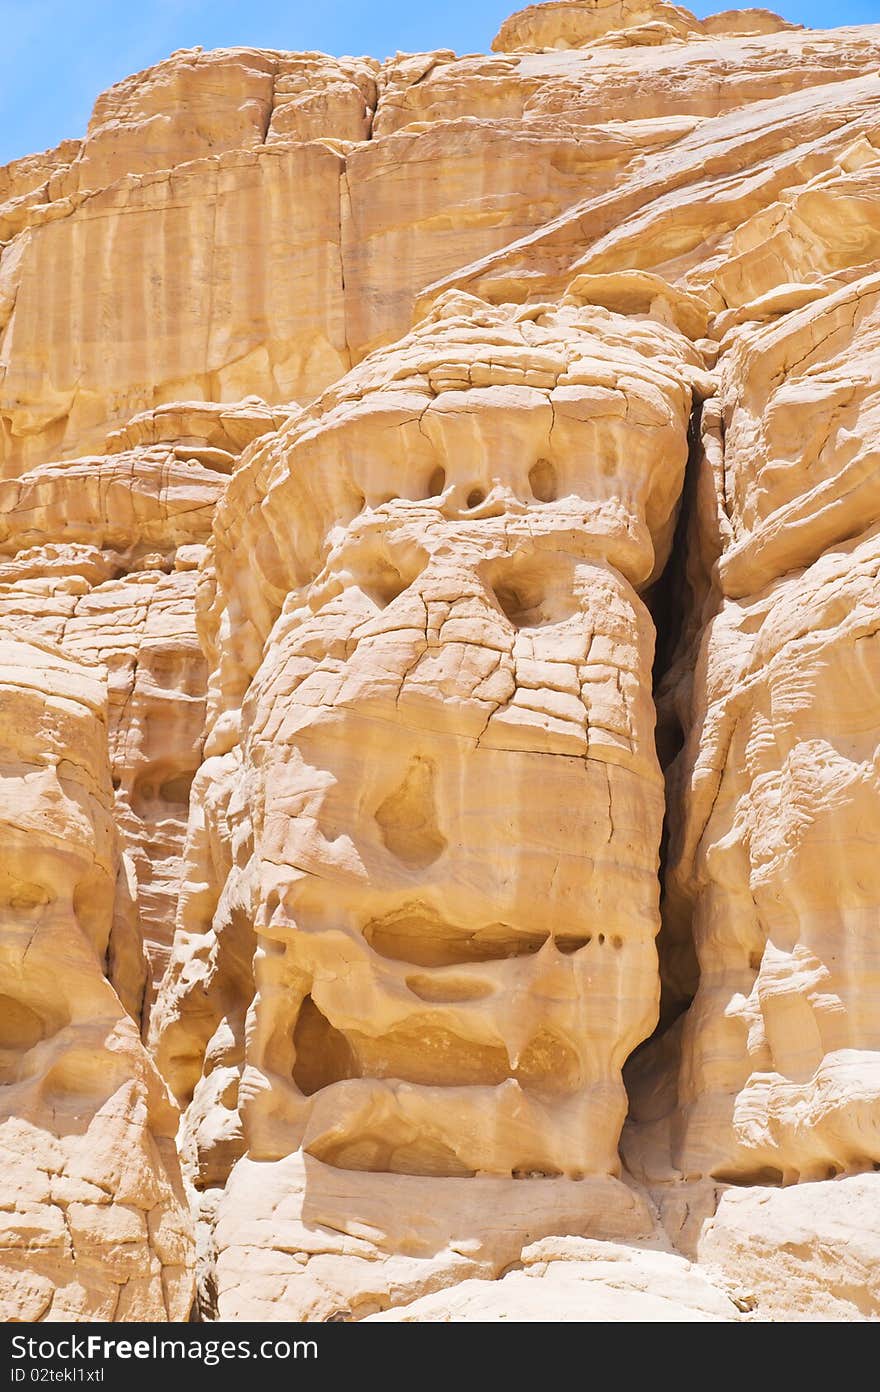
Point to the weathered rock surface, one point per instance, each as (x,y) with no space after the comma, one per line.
(421,483)
(320,1242)
(571,1279)
(100,556)
(129,244)
(93,1222)
(806,1252)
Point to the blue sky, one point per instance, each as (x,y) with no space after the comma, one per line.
(57,55)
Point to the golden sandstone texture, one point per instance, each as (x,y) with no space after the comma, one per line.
(439,652)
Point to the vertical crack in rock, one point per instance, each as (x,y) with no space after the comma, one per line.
(673,602)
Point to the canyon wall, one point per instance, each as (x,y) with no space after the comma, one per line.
(439,601)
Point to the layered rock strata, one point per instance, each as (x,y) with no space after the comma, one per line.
(438,587)
(94,1220)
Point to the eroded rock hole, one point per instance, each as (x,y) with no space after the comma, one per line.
(521,603)
(161,791)
(177,788)
(417,934)
(376,1153)
(436,483)
(323,1054)
(407,818)
(542,481)
(385,584)
(381,577)
(572,942)
(763,1175)
(534,590)
(475,497)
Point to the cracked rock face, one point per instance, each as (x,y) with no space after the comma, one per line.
(94,1221)
(438,704)
(435,992)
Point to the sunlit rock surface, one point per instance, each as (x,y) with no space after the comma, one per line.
(439,555)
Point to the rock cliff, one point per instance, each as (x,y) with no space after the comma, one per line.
(439,613)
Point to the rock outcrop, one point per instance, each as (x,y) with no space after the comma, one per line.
(439,553)
(94,1220)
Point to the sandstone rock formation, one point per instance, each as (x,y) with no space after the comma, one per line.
(94,1219)
(439,598)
